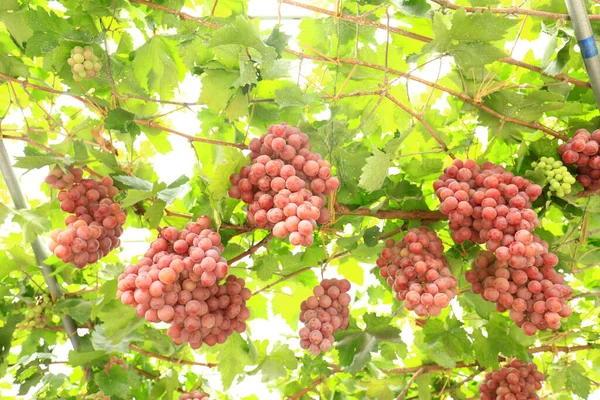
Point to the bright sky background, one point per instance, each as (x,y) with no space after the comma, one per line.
(274,329)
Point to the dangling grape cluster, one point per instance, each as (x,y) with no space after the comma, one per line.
(177,281)
(535,296)
(194,395)
(58,179)
(418,272)
(286,184)
(323,314)
(114,360)
(583,150)
(515,381)
(97,396)
(84,64)
(94,229)
(493,206)
(558,178)
(35,317)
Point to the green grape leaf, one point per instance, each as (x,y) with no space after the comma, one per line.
(375,171)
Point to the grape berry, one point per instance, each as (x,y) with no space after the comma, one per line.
(323,314)
(286,184)
(94,229)
(177,281)
(84,64)
(35,317)
(583,150)
(515,381)
(557,176)
(418,272)
(58,179)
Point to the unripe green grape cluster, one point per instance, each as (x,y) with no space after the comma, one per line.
(84,64)
(558,178)
(35,316)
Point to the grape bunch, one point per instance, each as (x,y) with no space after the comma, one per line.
(97,396)
(557,176)
(177,281)
(35,317)
(583,150)
(515,381)
(535,296)
(94,229)
(194,395)
(58,179)
(114,360)
(84,64)
(323,314)
(493,206)
(418,272)
(286,184)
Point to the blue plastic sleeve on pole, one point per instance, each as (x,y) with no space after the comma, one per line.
(588,47)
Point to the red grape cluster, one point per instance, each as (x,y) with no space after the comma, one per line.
(114,360)
(418,272)
(94,229)
(60,180)
(583,150)
(177,281)
(535,297)
(194,395)
(514,381)
(286,184)
(324,314)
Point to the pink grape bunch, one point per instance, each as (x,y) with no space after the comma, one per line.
(194,395)
(58,179)
(177,281)
(323,314)
(536,297)
(583,150)
(286,184)
(114,360)
(417,271)
(490,205)
(94,229)
(515,381)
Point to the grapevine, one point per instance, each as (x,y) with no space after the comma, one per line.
(94,229)
(515,381)
(323,314)
(177,281)
(418,272)
(286,184)
(558,178)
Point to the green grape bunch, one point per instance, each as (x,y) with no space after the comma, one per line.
(558,178)
(84,64)
(35,316)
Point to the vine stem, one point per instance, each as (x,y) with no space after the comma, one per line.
(412,379)
(191,138)
(506,60)
(170,359)
(19,201)
(251,250)
(315,383)
(421,119)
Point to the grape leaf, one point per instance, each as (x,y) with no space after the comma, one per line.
(577,381)
(375,171)
(134,182)
(233,358)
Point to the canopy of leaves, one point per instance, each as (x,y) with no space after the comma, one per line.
(386,90)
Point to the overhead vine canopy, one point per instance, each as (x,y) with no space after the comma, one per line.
(389,93)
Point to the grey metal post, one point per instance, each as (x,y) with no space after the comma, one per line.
(587,43)
(38,248)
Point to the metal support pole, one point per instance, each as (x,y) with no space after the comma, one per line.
(38,248)
(587,43)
